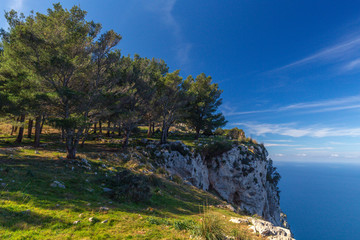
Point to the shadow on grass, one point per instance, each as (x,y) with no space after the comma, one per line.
(28,178)
(22,220)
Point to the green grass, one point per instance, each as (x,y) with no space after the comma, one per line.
(31,209)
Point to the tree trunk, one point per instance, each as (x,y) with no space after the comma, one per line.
(62,134)
(126,140)
(119,129)
(42,123)
(149,129)
(71,144)
(164,132)
(153,129)
(94,128)
(30,126)
(108,129)
(21,129)
(15,127)
(37,131)
(71,152)
(100,127)
(197,134)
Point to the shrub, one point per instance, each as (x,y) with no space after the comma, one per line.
(177,179)
(179,147)
(219,132)
(129,186)
(184,225)
(236,133)
(214,149)
(272,174)
(158,221)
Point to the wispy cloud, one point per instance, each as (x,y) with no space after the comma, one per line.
(340,51)
(352,65)
(164,9)
(279,145)
(337,104)
(7,5)
(315,148)
(16,4)
(293,131)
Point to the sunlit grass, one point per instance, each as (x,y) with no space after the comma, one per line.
(31,209)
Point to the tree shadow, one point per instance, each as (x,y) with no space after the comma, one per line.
(28,178)
(22,220)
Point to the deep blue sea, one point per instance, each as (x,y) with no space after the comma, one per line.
(322,200)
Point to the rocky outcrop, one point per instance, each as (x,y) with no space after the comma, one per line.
(243,176)
(265,229)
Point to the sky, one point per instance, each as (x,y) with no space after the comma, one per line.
(290,70)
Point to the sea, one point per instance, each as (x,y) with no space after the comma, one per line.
(321,200)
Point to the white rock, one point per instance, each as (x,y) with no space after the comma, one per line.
(57,184)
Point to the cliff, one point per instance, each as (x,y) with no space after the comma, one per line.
(242,175)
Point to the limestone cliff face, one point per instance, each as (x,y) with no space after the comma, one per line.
(240,176)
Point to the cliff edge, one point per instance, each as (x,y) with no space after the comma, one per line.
(243,175)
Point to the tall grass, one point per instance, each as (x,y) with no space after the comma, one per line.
(211,227)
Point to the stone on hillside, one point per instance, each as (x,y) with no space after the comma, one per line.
(27,211)
(105,189)
(226,206)
(105,209)
(93,220)
(151,146)
(76,222)
(57,184)
(239,220)
(105,221)
(267,229)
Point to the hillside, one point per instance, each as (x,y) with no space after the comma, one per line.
(107,193)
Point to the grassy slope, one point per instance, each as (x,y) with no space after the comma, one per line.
(31,209)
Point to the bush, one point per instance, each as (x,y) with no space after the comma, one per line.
(129,186)
(184,225)
(214,149)
(179,147)
(177,179)
(236,134)
(219,132)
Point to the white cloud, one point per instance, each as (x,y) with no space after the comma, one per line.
(16,4)
(330,105)
(315,148)
(301,154)
(352,65)
(279,145)
(291,130)
(279,155)
(334,155)
(338,51)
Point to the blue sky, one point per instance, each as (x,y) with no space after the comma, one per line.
(290,70)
